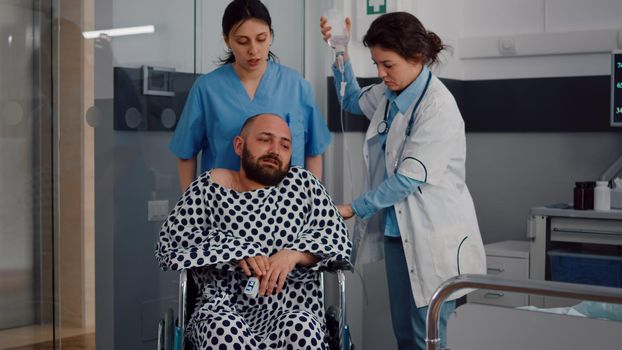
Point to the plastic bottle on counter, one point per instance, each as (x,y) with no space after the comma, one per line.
(602,196)
(616,194)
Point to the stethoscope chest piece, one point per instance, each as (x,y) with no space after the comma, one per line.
(383,127)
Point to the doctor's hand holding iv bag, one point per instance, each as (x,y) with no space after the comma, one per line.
(417,210)
(336,32)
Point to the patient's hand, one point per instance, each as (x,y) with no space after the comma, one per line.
(258,264)
(282,263)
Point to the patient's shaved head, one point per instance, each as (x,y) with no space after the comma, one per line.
(250,121)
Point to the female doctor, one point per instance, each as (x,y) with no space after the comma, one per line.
(249,82)
(415,153)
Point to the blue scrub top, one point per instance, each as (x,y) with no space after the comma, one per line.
(218,105)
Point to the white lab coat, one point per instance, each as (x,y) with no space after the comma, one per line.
(438,225)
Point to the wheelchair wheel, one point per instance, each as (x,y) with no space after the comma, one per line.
(332,327)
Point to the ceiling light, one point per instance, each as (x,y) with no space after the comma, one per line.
(119,31)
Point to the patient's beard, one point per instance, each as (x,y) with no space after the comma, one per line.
(264,175)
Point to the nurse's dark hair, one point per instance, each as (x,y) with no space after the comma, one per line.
(404,34)
(240,11)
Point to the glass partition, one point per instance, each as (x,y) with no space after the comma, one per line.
(89,97)
(123,70)
(26,184)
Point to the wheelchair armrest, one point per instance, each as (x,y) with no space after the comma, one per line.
(338,265)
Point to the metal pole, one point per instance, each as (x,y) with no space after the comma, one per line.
(341,278)
(547,288)
(183,296)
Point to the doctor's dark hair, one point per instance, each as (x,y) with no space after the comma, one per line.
(404,34)
(240,11)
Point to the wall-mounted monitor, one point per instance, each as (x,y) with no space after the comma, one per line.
(157,81)
(148,99)
(616,88)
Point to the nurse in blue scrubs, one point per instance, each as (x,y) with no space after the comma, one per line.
(249,82)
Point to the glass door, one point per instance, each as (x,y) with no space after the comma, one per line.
(26,185)
(90,92)
(123,69)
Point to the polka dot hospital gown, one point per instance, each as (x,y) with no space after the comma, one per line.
(213,227)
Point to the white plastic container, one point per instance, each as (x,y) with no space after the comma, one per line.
(616,194)
(602,196)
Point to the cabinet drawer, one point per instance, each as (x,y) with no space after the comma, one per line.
(495,297)
(598,231)
(505,267)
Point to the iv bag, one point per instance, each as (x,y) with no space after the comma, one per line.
(339,36)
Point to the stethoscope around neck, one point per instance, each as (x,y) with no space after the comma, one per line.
(383,126)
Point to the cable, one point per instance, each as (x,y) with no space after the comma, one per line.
(341,68)
(458,253)
(342,92)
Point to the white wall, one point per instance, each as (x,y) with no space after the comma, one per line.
(507,173)
(456,21)
(530,22)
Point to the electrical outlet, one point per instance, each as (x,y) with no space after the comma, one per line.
(507,46)
(157,210)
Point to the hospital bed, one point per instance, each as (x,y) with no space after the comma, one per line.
(170,328)
(477,326)
(482,327)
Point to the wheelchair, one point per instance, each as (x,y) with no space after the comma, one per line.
(171,328)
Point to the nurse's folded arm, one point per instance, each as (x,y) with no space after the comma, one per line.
(314,165)
(187,169)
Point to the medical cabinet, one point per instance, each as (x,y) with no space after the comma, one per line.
(553,228)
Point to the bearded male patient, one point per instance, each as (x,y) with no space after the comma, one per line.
(268,220)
